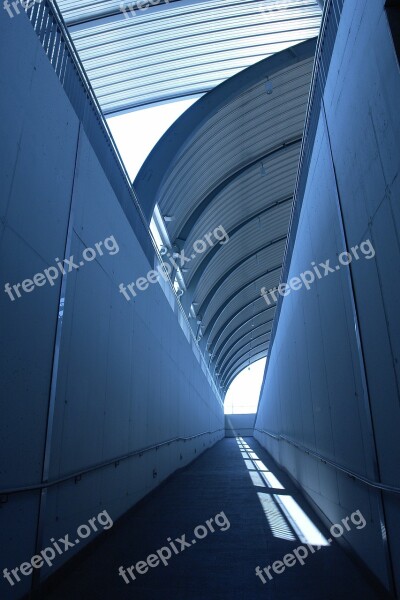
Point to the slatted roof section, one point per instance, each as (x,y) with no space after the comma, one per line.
(231,160)
(179,48)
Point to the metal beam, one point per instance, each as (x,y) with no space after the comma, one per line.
(255,358)
(207,332)
(202,309)
(205,203)
(220,363)
(194,281)
(244,361)
(241,361)
(218,336)
(234,357)
(223,306)
(217,354)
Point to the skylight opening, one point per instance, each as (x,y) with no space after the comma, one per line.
(243,394)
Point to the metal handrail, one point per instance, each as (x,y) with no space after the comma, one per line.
(370,482)
(78,474)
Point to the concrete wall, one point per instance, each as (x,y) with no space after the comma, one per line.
(239,425)
(123,374)
(325,387)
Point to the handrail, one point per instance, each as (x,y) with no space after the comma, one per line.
(370,482)
(77,475)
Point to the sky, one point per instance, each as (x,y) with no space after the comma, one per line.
(243,393)
(135,134)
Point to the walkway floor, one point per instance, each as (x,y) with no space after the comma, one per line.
(222,564)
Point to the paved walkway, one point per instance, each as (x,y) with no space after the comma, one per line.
(254,531)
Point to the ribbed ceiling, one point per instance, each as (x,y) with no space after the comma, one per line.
(231,160)
(180,48)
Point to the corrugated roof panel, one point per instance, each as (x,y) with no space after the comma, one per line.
(257,343)
(251,238)
(181,47)
(251,270)
(236,169)
(263,319)
(250,128)
(254,335)
(250,356)
(249,294)
(244,316)
(249,194)
(245,298)
(237,165)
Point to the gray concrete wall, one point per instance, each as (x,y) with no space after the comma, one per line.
(128,375)
(322,389)
(242,425)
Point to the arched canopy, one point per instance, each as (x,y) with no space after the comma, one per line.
(231,160)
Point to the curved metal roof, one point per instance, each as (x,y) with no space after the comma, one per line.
(231,160)
(177,48)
